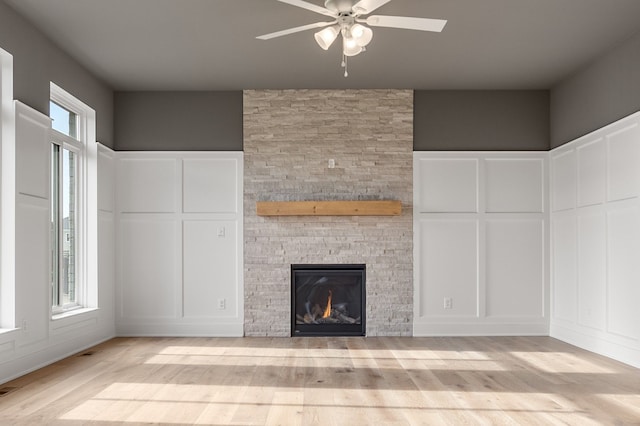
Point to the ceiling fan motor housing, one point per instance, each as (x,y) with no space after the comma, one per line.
(339,6)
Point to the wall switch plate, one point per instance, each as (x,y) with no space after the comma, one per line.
(332,163)
(448,303)
(222,304)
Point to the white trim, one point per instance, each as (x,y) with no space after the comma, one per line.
(7,194)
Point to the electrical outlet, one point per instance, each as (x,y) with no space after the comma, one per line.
(222,304)
(332,163)
(448,303)
(24,326)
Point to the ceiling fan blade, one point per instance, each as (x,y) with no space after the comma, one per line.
(309,6)
(364,7)
(408,23)
(295,30)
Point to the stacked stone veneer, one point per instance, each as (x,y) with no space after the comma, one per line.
(289,136)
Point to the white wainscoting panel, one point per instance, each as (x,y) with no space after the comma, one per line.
(179,262)
(106,179)
(624,156)
(149,267)
(450,258)
(515,186)
(624,271)
(565,267)
(32,155)
(448,185)
(106,236)
(592,269)
(591,173)
(147,185)
(210,270)
(210,185)
(515,268)
(39,339)
(563,169)
(481,243)
(596,241)
(32,268)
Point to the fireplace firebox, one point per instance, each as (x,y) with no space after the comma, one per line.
(328,300)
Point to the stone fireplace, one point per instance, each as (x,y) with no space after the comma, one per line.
(290,138)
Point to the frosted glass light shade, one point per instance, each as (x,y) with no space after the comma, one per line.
(326,37)
(361,34)
(350,47)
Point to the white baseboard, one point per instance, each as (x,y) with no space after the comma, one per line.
(231,329)
(475,329)
(33,361)
(601,345)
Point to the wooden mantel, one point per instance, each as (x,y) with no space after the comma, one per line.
(329,208)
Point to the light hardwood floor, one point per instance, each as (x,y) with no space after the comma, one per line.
(328,381)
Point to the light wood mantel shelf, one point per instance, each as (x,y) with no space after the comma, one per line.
(329,208)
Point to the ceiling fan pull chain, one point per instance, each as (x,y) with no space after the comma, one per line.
(344,65)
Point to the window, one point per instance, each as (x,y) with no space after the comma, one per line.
(73,166)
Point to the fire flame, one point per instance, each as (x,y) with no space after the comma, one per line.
(327,311)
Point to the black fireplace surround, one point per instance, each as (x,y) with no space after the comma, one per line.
(328,300)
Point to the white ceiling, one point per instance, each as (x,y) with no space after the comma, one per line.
(211,44)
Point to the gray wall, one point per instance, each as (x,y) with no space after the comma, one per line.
(37,61)
(599,94)
(178,121)
(481,120)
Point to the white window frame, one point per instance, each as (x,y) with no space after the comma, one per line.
(86,152)
(7,193)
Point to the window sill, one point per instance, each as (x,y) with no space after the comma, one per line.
(7,330)
(72,313)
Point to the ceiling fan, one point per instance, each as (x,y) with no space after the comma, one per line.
(349,22)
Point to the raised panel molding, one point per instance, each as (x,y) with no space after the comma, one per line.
(179,253)
(147,185)
(449,256)
(32,151)
(515,185)
(481,243)
(563,180)
(106,179)
(515,268)
(210,249)
(210,185)
(592,270)
(623,292)
(149,268)
(448,185)
(32,268)
(565,275)
(591,172)
(596,241)
(623,149)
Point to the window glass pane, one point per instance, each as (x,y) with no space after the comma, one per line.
(64,120)
(68,284)
(55,221)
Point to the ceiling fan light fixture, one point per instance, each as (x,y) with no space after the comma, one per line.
(361,34)
(326,37)
(350,46)
(350,22)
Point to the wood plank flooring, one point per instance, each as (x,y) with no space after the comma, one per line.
(328,381)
